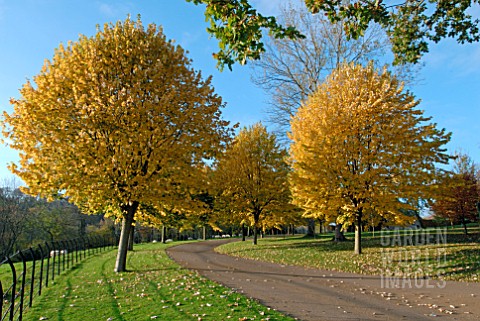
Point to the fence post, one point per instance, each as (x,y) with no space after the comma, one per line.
(67,254)
(59,258)
(84,247)
(64,255)
(14,289)
(42,256)
(72,248)
(98,243)
(1,297)
(48,263)
(70,255)
(22,289)
(76,250)
(54,259)
(89,246)
(32,282)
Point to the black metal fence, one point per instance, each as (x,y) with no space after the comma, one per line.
(26,273)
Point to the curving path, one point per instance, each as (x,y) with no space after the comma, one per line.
(309,294)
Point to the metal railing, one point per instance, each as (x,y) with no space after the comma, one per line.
(27,272)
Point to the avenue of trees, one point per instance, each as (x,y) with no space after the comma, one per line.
(121,124)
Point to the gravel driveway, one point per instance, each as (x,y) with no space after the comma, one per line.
(311,294)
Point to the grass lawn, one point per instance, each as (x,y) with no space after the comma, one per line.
(156,288)
(445,254)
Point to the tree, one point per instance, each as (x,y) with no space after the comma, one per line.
(360,146)
(115,120)
(13,212)
(291,69)
(459,193)
(238,28)
(53,221)
(252,175)
(187,207)
(410,24)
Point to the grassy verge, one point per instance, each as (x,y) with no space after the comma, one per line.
(156,288)
(445,254)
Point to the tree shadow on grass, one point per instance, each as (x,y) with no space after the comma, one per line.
(463,262)
(111,291)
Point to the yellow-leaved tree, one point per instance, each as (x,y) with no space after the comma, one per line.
(115,120)
(252,176)
(361,148)
(459,193)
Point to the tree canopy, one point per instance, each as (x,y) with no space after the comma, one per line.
(118,119)
(410,24)
(252,178)
(360,147)
(290,70)
(459,193)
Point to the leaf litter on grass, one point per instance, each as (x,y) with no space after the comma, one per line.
(458,259)
(156,288)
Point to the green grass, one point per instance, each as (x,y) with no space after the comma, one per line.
(450,256)
(54,266)
(156,288)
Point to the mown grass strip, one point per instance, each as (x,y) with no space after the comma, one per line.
(156,288)
(451,257)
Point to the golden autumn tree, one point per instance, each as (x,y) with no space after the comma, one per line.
(459,193)
(115,120)
(360,147)
(252,176)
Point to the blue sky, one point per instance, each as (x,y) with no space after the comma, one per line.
(30,30)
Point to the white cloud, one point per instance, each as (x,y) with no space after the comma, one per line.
(188,39)
(114,10)
(107,9)
(462,60)
(468,61)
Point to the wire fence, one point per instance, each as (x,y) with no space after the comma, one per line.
(26,273)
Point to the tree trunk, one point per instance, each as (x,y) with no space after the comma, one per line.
(339,237)
(465,227)
(320,227)
(164,231)
(311,227)
(358,233)
(204,232)
(127,221)
(244,231)
(419,219)
(256,219)
(131,237)
(83,227)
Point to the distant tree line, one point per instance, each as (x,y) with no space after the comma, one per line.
(27,221)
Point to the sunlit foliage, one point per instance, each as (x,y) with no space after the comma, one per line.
(252,178)
(118,119)
(360,146)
